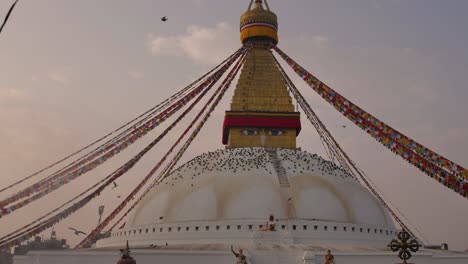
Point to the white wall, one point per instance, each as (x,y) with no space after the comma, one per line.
(225,257)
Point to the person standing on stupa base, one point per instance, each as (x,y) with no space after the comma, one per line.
(271,223)
(241,258)
(329,258)
(126,258)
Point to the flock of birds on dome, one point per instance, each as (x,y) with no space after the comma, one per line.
(299,162)
(253,160)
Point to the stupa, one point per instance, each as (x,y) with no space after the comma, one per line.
(261,193)
(227,196)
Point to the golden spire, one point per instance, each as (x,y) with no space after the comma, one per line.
(262,113)
(258,22)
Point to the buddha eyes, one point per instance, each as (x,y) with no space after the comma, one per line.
(250,132)
(275,132)
(253,132)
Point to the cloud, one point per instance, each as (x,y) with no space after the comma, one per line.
(167,46)
(57,77)
(316,41)
(10,94)
(320,41)
(13,103)
(136,75)
(207,45)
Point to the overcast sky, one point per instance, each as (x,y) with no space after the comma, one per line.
(71,71)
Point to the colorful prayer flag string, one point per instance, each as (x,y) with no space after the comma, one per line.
(27,231)
(100,149)
(221,90)
(445,171)
(47,186)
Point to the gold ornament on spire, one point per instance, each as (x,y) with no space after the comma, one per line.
(258,22)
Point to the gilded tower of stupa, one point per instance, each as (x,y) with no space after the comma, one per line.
(262,113)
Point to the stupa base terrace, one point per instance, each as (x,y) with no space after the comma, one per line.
(260,254)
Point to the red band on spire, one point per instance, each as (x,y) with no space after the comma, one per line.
(260,120)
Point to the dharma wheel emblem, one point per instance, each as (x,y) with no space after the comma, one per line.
(405,245)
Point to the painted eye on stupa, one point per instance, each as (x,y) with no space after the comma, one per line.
(275,132)
(250,132)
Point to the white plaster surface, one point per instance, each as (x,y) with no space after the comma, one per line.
(226,196)
(241,183)
(279,256)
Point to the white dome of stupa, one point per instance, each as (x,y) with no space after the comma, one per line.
(242,187)
(242,183)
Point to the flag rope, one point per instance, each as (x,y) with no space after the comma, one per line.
(8,240)
(45,187)
(221,90)
(130,126)
(344,160)
(449,174)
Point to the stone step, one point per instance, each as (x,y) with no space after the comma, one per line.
(278,166)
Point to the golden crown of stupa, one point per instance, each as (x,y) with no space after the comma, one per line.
(259,22)
(262,113)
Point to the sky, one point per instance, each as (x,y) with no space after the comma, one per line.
(72,71)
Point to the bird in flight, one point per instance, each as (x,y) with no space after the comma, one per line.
(344,126)
(115,185)
(164,19)
(77,232)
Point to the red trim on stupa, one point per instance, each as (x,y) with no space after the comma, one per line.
(261,120)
